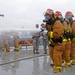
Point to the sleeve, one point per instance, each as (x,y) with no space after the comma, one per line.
(73,28)
(58,29)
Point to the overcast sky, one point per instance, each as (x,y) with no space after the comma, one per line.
(28,13)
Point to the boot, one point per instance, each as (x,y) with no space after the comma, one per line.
(52,64)
(73,62)
(67,64)
(45,52)
(57,69)
(37,52)
(33,52)
(62,61)
(16,49)
(3,49)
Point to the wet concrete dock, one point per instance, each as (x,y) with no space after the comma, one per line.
(25,62)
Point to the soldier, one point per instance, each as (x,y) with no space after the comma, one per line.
(43,33)
(45,41)
(35,38)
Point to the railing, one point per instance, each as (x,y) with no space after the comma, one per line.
(26,43)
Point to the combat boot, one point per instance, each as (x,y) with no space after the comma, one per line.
(33,52)
(73,62)
(57,69)
(37,52)
(45,52)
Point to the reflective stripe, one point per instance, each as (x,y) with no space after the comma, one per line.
(69,39)
(68,30)
(49,42)
(65,40)
(3,48)
(67,63)
(73,39)
(62,60)
(51,34)
(17,48)
(58,67)
(73,60)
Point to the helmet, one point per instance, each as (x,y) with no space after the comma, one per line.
(69,14)
(49,12)
(58,13)
(48,15)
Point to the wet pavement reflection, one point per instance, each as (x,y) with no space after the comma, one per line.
(8,57)
(34,66)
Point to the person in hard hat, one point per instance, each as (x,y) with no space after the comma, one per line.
(69,17)
(58,39)
(66,39)
(58,14)
(49,28)
(16,41)
(5,41)
(56,35)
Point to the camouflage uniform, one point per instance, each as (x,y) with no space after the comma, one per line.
(45,41)
(36,43)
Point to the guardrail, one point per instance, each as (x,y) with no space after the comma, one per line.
(26,43)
